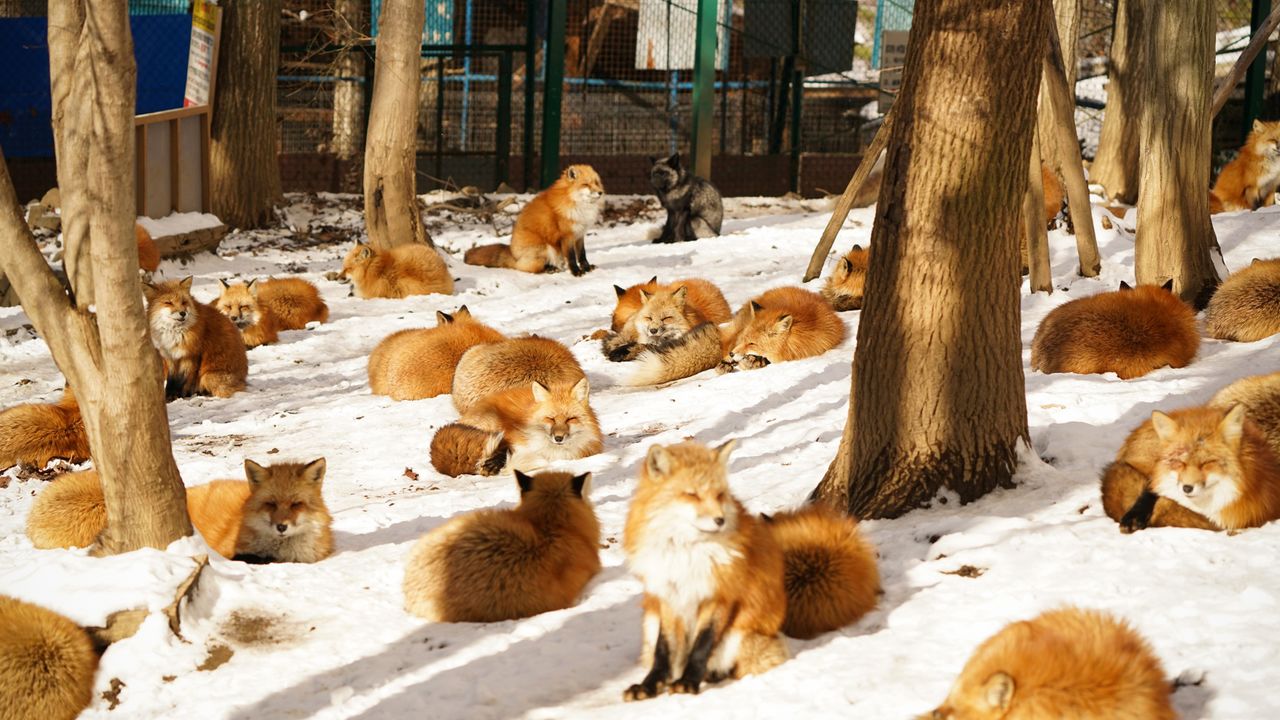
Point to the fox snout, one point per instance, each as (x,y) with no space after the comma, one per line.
(1189,490)
(282,528)
(655,330)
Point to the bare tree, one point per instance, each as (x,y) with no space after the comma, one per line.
(348,93)
(1116,164)
(1174,231)
(937,396)
(1067,15)
(106,356)
(391,211)
(243,167)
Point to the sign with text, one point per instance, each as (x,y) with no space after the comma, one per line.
(200,62)
(893,53)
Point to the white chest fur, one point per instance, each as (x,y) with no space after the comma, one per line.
(168,335)
(681,572)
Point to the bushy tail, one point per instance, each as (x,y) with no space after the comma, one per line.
(831,574)
(1122,483)
(36,434)
(495,256)
(148,253)
(459,449)
(698,350)
(71,512)
(48,663)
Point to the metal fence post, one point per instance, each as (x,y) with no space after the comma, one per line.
(704,79)
(530,77)
(1255,82)
(502,143)
(553,89)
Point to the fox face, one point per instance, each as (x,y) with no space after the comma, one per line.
(171,312)
(357,258)
(1198,467)
(844,287)
(1264,139)
(990,701)
(666,173)
(584,184)
(560,416)
(764,336)
(239,302)
(696,501)
(662,317)
(283,497)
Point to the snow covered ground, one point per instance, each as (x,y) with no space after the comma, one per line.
(330,640)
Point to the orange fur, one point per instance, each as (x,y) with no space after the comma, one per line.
(36,433)
(494,367)
(148,253)
(1250,181)
(1260,396)
(1065,663)
(783,324)
(703,300)
(1246,306)
(234,517)
(494,565)
(402,271)
(845,284)
(1212,461)
(550,230)
(262,309)
(661,322)
(419,363)
(47,663)
(712,573)
(1128,332)
(831,574)
(202,351)
(1053,194)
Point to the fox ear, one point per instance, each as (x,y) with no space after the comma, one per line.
(443,318)
(224,282)
(680,294)
(185,283)
(571,173)
(253,287)
(1168,285)
(461,313)
(1256,261)
(1231,426)
(1165,426)
(644,296)
(855,248)
(753,307)
(1125,286)
(654,279)
(313,472)
(997,692)
(524,481)
(722,452)
(1258,125)
(619,291)
(254,472)
(540,392)
(581,484)
(844,266)
(674,161)
(365,250)
(658,461)
(150,290)
(783,324)
(581,390)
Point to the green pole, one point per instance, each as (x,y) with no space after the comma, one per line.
(704,90)
(552,91)
(1255,82)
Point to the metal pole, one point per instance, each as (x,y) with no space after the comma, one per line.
(797,104)
(1255,83)
(553,89)
(530,76)
(502,143)
(704,91)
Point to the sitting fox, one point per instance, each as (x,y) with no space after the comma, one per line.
(1249,182)
(203,352)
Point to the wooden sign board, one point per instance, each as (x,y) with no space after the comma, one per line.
(893,53)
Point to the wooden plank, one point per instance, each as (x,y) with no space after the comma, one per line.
(175,165)
(169,115)
(206,197)
(140,172)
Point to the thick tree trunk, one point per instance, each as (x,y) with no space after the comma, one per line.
(1174,231)
(107,357)
(1115,166)
(937,397)
(348,94)
(244,169)
(391,212)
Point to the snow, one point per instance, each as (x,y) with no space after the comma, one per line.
(178,223)
(332,641)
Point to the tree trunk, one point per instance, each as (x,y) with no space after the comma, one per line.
(107,357)
(391,212)
(1174,231)
(348,94)
(937,395)
(1115,166)
(1067,17)
(244,168)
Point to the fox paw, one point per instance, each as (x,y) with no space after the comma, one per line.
(752,362)
(640,691)
(726,366)
(1132,522)
(684,687)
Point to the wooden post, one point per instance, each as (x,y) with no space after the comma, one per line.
(1033,217)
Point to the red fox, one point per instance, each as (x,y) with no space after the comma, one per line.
(279,515)
(533,425)
(402,271)
(844,285)
(203,352)
(1246,306)
(494,367)
(629,302)
(419,363)
(34,434)
(712,573)
(47,663)
(666,313)
(1211,461)
(831,574)
(262,309)
(148,253)
(1130,331)
(496,565)
(549,231)
(1260,396)
(1250,181)
(1065,663)
(783,324)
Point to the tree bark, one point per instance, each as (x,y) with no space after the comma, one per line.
(107,357)
(1174,232)
(348,94)
(391,212)
(937,397)
(1067,18)
(1115,166)
(244,168)
(1041,279)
